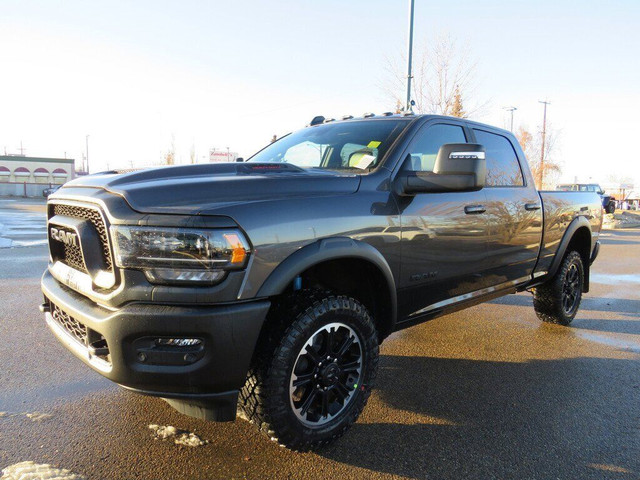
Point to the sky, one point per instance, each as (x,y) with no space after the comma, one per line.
(140,76)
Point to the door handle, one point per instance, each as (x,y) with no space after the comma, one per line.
(532,206)
(474,209)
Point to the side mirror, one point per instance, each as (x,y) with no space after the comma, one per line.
(459,167)
(239,159)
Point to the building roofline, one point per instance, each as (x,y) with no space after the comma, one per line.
(17,158)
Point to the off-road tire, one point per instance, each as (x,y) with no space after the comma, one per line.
(611,208)
(549,299)
(265,398)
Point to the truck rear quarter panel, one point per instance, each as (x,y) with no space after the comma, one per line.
(560,209)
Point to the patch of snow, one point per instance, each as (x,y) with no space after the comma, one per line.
(180,437)
(33,416)
(35,471)
(29,243)
(622,344)
(38,417)
(190,440)
(611,279)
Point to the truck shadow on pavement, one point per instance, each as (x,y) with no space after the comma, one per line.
(458,418)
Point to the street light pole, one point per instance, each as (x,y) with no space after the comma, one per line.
(408,106)
(87,147)
(544,138)
(511,109)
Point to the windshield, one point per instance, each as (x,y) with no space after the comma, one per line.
(356,146)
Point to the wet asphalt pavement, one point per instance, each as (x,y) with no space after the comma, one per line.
(486,393)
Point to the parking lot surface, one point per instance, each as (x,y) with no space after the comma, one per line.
(486,393)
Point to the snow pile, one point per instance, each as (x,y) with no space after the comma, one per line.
(625,219)
(35,471)
(180,437)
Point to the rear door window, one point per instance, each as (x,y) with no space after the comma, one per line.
(503,168)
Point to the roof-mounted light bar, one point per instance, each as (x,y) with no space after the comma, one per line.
(316,120)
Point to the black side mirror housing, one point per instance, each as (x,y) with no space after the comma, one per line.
(459,167)
(239,159)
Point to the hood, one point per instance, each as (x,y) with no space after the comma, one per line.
(195,188)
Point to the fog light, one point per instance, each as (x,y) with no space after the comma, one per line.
(170,275)
(178,342)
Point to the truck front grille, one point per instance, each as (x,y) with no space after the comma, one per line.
(72,253)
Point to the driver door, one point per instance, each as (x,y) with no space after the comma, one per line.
(444,235)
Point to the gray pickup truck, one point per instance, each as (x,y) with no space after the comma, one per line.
(266,287)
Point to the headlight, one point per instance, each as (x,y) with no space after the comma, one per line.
(180,255)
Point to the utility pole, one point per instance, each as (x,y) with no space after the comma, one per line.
(511,109)
(408,107)
(87,146)
(544,137)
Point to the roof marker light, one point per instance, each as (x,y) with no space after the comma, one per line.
(369,115)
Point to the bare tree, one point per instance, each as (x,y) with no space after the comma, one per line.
(169,157)
(532,145)
(444,79)
(458,109)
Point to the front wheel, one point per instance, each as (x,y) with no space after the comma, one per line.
(313,370)
(558,300)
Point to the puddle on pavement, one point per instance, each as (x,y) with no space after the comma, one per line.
(35,471)
(179,437)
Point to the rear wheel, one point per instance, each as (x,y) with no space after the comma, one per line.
(558,300)
(611,208)
(313,371)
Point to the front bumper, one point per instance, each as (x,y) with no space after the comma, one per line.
(206,384)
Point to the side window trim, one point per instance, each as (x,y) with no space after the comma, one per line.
(515,153)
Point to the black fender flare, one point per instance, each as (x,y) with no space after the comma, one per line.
(333,248)
(573,227)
